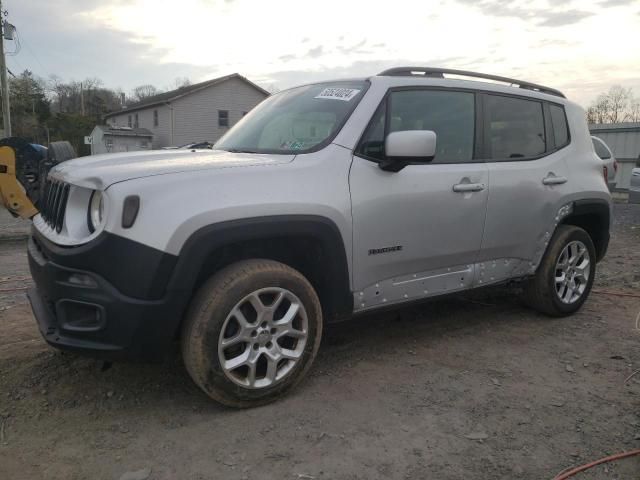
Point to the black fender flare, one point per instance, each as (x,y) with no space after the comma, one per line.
(592,208)
(204,242)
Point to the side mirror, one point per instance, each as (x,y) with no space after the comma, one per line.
(408,146)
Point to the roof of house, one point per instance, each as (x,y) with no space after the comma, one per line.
(167,97)
(124,131)
(615,127)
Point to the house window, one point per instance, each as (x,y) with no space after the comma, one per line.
(135,123)
(129,121)
(155,118)
(223,118)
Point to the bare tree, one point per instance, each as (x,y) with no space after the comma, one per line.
(612,107)
(633,112)
(179,82)
(619,98)
(143,91)
(600,109)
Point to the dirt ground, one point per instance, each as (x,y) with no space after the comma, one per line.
(473,386)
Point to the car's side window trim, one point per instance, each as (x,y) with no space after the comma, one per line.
(479,144)
(385,103)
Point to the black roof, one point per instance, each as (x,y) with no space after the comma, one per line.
(180,92)
(125,131)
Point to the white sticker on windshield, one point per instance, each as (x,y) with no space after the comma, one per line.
(344,94)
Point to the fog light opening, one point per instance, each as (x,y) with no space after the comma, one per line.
(82,280)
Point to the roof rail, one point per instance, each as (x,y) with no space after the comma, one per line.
(439,73)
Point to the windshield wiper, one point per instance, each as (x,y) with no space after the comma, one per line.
(240,150)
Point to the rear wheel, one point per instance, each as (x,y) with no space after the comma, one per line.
(565,275)
(252,332)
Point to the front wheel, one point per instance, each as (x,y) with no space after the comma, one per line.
(565,275)
(252,332)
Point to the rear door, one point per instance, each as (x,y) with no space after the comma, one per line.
(417,232)
(526,142)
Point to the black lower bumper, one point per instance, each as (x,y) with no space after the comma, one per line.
(79,310)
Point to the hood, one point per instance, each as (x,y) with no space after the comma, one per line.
(101,171)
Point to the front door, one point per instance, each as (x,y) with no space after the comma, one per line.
(417,232)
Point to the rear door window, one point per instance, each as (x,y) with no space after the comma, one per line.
(514,128)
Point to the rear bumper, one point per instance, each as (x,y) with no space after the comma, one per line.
(80,311)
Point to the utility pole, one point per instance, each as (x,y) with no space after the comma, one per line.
(6,111)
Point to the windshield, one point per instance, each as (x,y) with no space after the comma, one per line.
(296,120)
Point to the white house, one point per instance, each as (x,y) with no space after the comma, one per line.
(111,139)
(194,113)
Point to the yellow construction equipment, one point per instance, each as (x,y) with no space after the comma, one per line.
(23,171)
(12,194)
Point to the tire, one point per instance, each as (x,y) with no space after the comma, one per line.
(226,309)
(545,291)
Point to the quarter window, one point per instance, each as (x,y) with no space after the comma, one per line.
(559,124)
(223,118)
(450,114)
(514,128)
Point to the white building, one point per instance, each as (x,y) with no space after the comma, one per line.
(112,139)
(624,141)
(195,113)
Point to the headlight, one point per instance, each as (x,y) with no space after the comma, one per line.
(95,215)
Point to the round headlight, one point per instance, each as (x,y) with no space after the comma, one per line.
(95,215)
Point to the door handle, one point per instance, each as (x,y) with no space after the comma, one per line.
(551,179)
(468,187)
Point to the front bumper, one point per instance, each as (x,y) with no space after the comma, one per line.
(79,310)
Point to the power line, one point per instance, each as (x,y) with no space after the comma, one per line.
(17,64)
(24,41)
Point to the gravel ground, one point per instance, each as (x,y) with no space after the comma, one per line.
(12,228)
(474,386)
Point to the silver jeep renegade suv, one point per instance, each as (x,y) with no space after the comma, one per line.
(327,200)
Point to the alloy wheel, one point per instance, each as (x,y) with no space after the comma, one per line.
(263,338)
(572,272)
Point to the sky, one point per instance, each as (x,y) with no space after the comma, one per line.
(581,47)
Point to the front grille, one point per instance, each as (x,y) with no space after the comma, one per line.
(54,205)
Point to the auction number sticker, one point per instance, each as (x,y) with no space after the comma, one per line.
(344,94)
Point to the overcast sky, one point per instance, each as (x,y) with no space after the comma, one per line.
(581,47)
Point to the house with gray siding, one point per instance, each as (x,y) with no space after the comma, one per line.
(194,113)
(624,141)
(113,139)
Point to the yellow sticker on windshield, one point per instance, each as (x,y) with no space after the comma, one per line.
(344,94)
